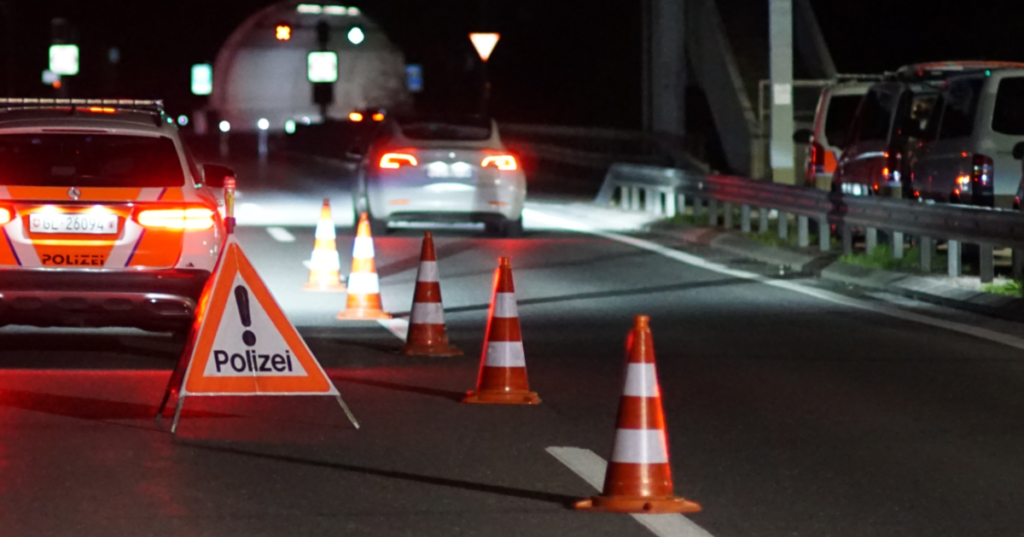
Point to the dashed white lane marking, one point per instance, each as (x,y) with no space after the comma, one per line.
(280,234)
(591,467)
(822,294)
(398,327)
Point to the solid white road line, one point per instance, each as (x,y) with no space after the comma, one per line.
(822,294)
(591,467)
(398,327)
(281,234)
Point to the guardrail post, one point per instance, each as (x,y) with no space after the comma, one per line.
(802,231)
(847,231)
(712,212)
(987,263)
(697,204)
(897,244)
(634,198)
(1018,264)
(727,208)
(824,234)
(871,239)
(624,192)
(670,203)
(783,225)
(762,217)
(745,218)
(681,204)
(925,247)
(953,253)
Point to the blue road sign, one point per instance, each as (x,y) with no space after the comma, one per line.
(414,77)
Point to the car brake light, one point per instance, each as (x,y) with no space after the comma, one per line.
(378,117)
(815,162)
(891,171)
(6,215)
(355,117)
(191,218)
(505,163)
(393,161)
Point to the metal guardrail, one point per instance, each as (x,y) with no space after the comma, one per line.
(595,147)
(666,192)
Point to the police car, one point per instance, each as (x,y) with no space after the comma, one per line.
(105,217)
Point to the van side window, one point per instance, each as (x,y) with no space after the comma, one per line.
(1008,116)
(958,112)
(874,116)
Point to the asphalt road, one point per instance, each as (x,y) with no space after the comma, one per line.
(787,414)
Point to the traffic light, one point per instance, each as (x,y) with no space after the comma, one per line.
(282,32)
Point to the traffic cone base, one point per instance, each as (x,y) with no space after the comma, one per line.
(501,398)
(430,350)
(325,287)
(626,504)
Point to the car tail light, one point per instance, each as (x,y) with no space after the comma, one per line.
(6,215)
(378,117)
(815,162)
(393,161)
(188,218)
(981,170)
(355,117)
(505,163)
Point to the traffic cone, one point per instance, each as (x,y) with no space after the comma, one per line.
(502,378)
(325,264)
(639,479)
(427,333)
(363,302)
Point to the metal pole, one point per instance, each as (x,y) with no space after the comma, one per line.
(745,218)
(348,412)
(925,246)
(728,215)
(783,225)
(824,234)
(712,212)
(986,267)
(780,21)
(803,239)
(762,220)
(871,238)
(897,244)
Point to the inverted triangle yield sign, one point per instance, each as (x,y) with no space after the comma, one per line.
(484,43)
(244,344)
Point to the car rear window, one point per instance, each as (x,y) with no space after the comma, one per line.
(961,101)
(1008,117)
(875,116)
(446,128)
(93,160)
(841,109)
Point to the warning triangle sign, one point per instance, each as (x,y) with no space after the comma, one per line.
(244,344)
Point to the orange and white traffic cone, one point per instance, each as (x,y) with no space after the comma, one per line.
(502,378)
(363,302)
(325,264)
(639,479)
(427,333)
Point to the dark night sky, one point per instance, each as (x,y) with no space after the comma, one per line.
(559,61)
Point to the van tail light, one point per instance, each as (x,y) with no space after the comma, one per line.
(6,215)
(185,218)
(394,161)
(982,168)
(505,163)
(815,162)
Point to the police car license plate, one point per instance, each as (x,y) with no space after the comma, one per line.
(91,224)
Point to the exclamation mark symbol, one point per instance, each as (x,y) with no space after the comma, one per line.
(242,298)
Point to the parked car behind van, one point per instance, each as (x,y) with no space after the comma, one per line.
(967,153)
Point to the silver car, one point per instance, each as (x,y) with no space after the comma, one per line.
(442,169)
